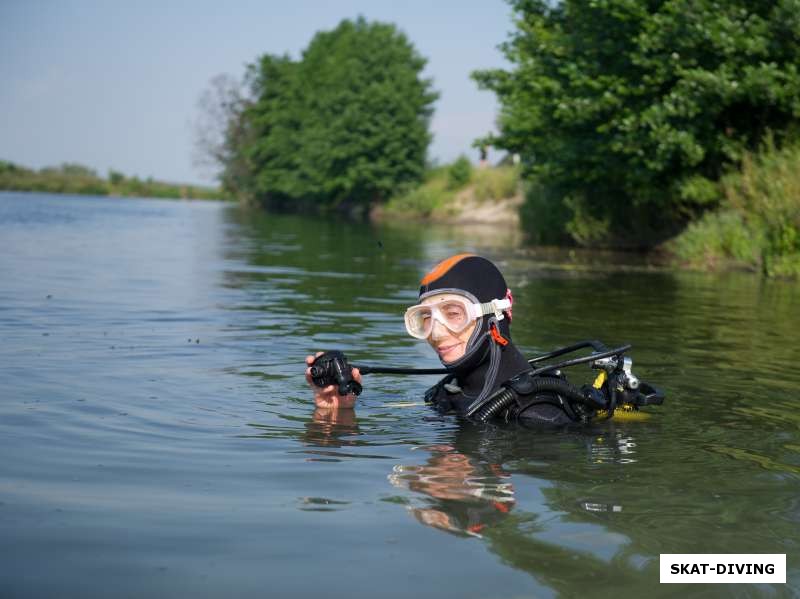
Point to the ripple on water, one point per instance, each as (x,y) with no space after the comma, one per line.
(135,456)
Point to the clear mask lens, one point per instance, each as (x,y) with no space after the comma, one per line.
(453,314)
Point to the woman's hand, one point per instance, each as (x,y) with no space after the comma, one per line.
(328,397)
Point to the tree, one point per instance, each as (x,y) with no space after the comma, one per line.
(459,173)
(628,112)
(345,125)
(220,131)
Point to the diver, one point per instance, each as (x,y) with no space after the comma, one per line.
(464,313)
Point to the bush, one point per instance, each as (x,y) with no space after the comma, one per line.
(717,239)
(583,226)
(760,224)
(544,216)
(459,173)
(115,177)
(496,183)
(423,200)
(640,107)
(75,178)
(767,192)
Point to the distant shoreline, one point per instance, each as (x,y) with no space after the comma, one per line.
(112,196)
(80,180)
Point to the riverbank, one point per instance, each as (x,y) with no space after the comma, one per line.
(754,224)
(460,194)
(78,179)
(754,227)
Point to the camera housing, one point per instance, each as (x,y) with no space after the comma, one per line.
(332,368)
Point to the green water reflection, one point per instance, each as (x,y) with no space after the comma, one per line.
(158,439)
(715,470)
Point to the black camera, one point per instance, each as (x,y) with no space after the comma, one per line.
(331,368)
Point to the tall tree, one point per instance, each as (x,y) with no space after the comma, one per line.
(627,112)
(347,123)
(221,132)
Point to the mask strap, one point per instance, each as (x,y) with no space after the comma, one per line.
(497,307)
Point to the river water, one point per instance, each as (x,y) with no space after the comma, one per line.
(158,439)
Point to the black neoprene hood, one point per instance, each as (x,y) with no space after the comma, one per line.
(466,272)
(469,273)
(490,357)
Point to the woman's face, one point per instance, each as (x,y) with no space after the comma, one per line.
(450,346)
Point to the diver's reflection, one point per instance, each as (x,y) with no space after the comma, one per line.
(463,486)
(470,493)
(330,427)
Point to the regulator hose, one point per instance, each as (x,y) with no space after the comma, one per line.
(494,404)
(503,398)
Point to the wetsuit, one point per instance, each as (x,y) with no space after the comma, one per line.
(490,358)
(453,394)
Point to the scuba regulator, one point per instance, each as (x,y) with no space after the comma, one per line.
(614,387)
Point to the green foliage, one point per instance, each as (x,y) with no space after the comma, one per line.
(78,179)
(718,239)
(760,224)
(69,169)
(345,124)
(583,226)
(787,266)
(544,216)
(495,183)
(8,167)
(767,193)
(639,107)
(437,196)
(423,200)
(435,171)
(115,178)
(699,190)
(459,173)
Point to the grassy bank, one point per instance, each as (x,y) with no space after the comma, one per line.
(78,179)
(758,223)
(447,188)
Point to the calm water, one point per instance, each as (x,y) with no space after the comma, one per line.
(157,437)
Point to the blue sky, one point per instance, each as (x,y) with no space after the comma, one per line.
(116,84)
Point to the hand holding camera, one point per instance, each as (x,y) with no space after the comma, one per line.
(334,382)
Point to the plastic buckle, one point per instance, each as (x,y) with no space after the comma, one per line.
(498,311)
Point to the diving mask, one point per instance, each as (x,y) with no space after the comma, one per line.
(456,313)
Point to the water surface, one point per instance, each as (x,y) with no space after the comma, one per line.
(158,439)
